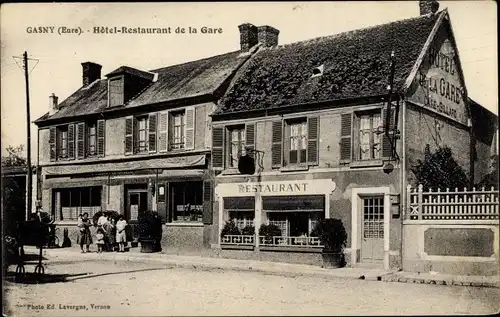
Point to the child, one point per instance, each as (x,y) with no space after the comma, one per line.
(121,237)
(100,240)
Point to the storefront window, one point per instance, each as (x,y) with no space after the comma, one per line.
(76,201)
(296,216)
(241,210)
(186,202)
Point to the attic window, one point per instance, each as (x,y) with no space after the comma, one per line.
(116,92)
(318,71)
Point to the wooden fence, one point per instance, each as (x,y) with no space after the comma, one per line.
(452,204)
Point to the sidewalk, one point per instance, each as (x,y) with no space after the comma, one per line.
(283,269)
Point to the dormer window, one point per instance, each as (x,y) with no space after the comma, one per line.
(116,91)
(318,71)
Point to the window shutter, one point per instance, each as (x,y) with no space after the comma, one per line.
(129,135)
(218,147)
(312,140)
(386,143)
(277,138)
(163,133)
(250,138)
(152,132)
(345,137)
(207,202)
(52,143)
(189,128)
(100,137)
(80,140)
(71,141)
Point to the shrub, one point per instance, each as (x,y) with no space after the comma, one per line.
(269,231)
(248,231)
(149,226)
(114,214)
(332,234)
(230,228)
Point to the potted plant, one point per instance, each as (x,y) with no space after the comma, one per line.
(149,231)
(229,228)
(268,232)
(333,237)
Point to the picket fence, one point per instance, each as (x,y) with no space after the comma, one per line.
(452,204)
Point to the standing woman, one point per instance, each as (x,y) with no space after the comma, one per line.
(84,236)
(110,232)
(121,237)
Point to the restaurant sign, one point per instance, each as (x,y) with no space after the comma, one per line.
(278,188)
(437,85)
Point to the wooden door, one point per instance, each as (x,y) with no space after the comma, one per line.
(372,242)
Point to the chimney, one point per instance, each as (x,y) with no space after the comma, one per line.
(428,7)
(91,72)
(248,36)
(268,35)
(53,105)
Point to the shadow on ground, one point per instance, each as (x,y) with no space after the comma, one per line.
(34,278)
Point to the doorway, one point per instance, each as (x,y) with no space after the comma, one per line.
(372,229)
(137,202)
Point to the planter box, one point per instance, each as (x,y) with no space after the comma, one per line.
(148,246)
(333,260)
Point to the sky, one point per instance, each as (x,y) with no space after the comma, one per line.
(56,58)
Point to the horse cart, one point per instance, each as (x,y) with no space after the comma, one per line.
(39,231)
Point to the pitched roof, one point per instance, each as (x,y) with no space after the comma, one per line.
(356,64)
(191,79)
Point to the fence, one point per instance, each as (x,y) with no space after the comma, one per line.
(452,205)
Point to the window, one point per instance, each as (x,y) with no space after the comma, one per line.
(186,202)
(369,139)
(92,139)
(297,141)
(71,202)
(116,92)
(236,144)
(62,132)
(177,120)
(142,134)
(241,210)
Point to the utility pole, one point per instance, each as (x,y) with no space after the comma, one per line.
(28,134)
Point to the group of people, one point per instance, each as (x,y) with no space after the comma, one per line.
(109,234)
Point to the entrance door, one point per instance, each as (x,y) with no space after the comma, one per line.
(372,244)
(136,203)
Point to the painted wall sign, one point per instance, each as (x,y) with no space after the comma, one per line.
(277,188)
(437,85)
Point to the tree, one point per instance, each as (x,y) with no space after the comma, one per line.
(440,170)
(15,156)
(490,179)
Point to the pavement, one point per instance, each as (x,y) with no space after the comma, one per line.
(276,268)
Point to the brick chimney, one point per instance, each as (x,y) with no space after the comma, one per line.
(248,36)
(428,7)
(53,104)
(91,72)
(268,35)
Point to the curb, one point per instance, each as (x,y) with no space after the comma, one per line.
(397,278)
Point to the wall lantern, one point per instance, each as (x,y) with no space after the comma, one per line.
(388,168)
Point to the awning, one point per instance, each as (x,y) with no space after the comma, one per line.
(313,203)
(239,203)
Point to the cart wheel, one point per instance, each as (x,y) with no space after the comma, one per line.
(39,269)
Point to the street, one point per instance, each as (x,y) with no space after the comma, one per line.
(120,288)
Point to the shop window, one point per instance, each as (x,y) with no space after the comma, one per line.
(236,144)
(186,202)
(241,210)
(76,201)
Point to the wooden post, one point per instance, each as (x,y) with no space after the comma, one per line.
(408,201)
(419,201)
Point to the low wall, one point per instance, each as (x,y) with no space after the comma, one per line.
(309,258)
(463,247)
(185,239)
